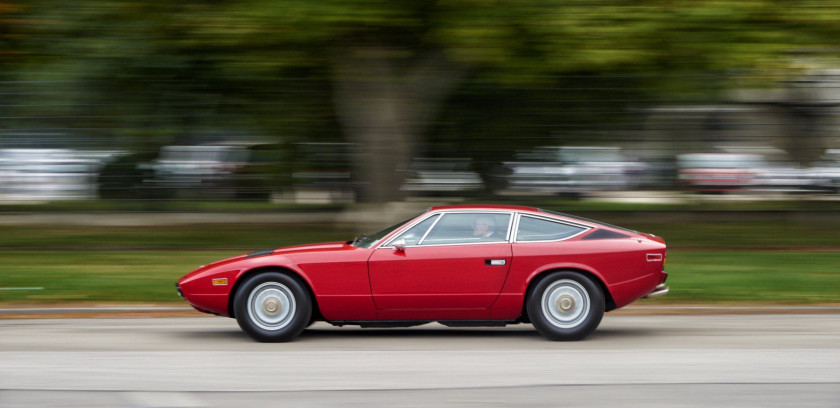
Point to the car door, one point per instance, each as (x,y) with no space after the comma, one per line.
(444,264)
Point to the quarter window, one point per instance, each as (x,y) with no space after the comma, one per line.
(467,228)
(538,229)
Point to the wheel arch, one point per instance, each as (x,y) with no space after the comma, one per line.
(244,276)
(609,303)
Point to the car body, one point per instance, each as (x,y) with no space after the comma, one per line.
(559,272)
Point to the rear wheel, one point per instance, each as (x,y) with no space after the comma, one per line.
(272,307)
(566,306)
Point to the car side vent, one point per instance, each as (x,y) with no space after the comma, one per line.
(261,253)
(605,234)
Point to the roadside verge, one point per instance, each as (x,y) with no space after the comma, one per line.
(177,310)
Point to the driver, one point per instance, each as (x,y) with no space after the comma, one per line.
(484,227)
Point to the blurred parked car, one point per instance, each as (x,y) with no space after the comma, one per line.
(718,172)
(572,170)
(220,171)
(723,172)
(442,177)
(826,172)
(785,178)
(50,174)
(321,172)
(194,165)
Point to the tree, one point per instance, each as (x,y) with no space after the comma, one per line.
(395,64)
(390,67)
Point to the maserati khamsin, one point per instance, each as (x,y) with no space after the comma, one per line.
(464,265)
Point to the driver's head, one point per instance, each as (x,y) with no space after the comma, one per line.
(483,226)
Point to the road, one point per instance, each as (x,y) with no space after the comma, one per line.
(724,360)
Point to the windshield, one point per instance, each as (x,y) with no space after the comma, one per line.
(367,241)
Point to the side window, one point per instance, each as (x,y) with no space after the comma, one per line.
(465,228)
(538,229)
(412,235)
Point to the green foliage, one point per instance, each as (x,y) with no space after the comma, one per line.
(154,73)
(208,48)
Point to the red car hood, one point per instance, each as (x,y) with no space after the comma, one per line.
(328,246)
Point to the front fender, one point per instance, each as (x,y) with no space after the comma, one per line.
(267,262)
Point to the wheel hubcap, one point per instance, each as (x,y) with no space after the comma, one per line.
(271,306)
(565,303)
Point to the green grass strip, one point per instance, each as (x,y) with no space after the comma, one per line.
(149,276)
(679,235)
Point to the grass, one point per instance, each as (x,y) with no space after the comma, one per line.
(149,276)
(746,235)
(762,262)
(165,206)
(90,276)
(176,237)
(682,235)
(762,277)
(688,202)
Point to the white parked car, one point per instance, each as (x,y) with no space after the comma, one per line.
(571,170)
(826,172)
(49,174)
(442,177)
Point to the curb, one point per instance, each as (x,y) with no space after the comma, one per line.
(93,311)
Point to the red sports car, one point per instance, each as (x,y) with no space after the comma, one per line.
(465,265)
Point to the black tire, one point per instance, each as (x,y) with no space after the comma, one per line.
(565,306)
(272,307)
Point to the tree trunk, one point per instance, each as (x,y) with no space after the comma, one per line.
(385,105)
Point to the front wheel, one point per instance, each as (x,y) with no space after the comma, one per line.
(566,306)
(272,307)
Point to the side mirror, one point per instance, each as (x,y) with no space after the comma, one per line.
(399,245)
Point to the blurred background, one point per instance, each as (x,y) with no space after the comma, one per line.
(713,123)
(378,101)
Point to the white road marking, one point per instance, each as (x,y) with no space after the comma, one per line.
(161,400)
(23,288)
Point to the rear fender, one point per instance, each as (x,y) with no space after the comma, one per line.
(574,267)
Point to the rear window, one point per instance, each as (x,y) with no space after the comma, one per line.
(574,217)
(539,229)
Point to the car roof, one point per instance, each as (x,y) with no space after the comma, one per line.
(568,217)
(484,207)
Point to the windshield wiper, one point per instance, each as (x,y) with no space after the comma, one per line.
(358,239)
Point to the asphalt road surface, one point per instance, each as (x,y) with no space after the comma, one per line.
(742,360)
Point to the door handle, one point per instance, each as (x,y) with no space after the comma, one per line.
(654,257)
(495,262)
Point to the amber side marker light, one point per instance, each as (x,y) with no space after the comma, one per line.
(220,282)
